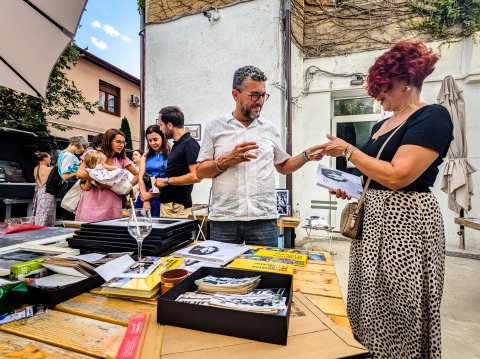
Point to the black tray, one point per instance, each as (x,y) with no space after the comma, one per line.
(270,328)
(53,296)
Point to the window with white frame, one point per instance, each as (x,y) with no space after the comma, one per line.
(353,119)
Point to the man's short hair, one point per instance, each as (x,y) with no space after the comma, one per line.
(247,71)
(172,114)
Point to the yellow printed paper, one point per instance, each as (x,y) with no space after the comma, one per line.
(262,266)
(300,259)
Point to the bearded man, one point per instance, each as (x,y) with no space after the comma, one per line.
(243,206)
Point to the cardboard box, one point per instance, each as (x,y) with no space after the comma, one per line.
(270,328)
(52,296)
(312,334)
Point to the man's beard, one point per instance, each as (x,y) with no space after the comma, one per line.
(246,112)
(168,135)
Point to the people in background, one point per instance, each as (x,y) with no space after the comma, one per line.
(397,267)
(68,164)
(98,203)
(177,184)
(105,175)
(152,165)
(43,202)
(136,158)
(241,151)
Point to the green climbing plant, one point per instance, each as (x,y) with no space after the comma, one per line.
(440,16)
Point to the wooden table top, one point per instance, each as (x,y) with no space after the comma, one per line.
(92,325)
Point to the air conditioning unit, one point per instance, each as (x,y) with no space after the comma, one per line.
(134,100)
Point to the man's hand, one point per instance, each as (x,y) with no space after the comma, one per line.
(315,153)
(160,183)
(336,147)
(239,154)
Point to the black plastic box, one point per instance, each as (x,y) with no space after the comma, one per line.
(270,328)
(53,296)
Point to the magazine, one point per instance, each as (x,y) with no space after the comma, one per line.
(333,179)
(212,251)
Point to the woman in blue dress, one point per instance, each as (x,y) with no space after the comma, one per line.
(153,164)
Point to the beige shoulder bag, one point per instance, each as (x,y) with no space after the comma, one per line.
(351,220)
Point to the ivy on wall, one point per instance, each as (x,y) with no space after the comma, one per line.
(440,16)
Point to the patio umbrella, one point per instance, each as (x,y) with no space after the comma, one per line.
(457,175)
(33,35)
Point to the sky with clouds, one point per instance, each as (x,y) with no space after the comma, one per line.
(109,28)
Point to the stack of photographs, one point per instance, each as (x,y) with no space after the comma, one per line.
(168,235)
(212,284)
(258,300)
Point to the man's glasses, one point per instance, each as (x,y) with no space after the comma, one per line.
(118,142)
(255,96)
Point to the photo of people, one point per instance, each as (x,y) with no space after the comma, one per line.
(203,250)
(283,202)
(334,179)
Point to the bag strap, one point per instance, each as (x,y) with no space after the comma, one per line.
(362,197)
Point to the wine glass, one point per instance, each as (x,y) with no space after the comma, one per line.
(139,226)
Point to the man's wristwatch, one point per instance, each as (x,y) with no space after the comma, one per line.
(305,156)
(165,180)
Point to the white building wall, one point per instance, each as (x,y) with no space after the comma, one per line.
(190,63)
(461,60)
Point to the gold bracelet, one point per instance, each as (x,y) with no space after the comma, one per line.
(218,167)
(349,154)
(345,150)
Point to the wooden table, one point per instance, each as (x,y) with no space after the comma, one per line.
(471,222)
(91,325)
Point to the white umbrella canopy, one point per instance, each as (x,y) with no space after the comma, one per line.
(457,175)
(33,35)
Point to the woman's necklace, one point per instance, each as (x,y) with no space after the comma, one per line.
(400,116)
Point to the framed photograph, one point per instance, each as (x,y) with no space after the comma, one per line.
(195,131)
(283,205)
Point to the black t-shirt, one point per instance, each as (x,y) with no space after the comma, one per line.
(430,127)
(183,154)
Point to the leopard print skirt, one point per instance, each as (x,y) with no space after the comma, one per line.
(396,275)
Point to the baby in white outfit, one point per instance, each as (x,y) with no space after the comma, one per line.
(112,177)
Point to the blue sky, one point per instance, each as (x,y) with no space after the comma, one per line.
(109,28)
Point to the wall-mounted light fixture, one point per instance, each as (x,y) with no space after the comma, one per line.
(212,15)
(357,80)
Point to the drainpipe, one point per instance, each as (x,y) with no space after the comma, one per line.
(288,90)
(142,79)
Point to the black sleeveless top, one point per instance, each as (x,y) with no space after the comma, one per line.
(430,127)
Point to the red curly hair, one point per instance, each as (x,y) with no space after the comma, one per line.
(410,61)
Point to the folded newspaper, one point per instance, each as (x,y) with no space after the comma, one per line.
(333,179)
(212,284)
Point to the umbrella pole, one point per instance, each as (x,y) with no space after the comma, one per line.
(461,232)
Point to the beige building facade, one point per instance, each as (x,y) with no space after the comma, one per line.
(117,92)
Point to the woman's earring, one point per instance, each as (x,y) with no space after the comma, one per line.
(408,88)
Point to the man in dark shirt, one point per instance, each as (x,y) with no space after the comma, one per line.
(176,188)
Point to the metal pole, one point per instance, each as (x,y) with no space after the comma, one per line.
(142,80)
(288,89)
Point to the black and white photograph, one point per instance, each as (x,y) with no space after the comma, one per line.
(333,179)
(254,303)
(195,131)
(283,202)
(203,250)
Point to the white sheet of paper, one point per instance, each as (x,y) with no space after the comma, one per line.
(111,269)
(90,257)
(64,270)
(57,280)
(155,189)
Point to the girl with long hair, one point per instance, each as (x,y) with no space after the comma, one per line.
(153,164)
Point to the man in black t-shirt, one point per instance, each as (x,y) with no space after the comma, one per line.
(176,188)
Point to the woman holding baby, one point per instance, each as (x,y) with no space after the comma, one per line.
(152,165)
(101,200)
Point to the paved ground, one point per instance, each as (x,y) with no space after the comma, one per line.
(460,305)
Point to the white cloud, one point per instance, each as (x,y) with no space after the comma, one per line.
(110,30)
(96,24)
(126,38)
(102,45)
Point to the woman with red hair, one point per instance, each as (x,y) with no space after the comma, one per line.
(397,266)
